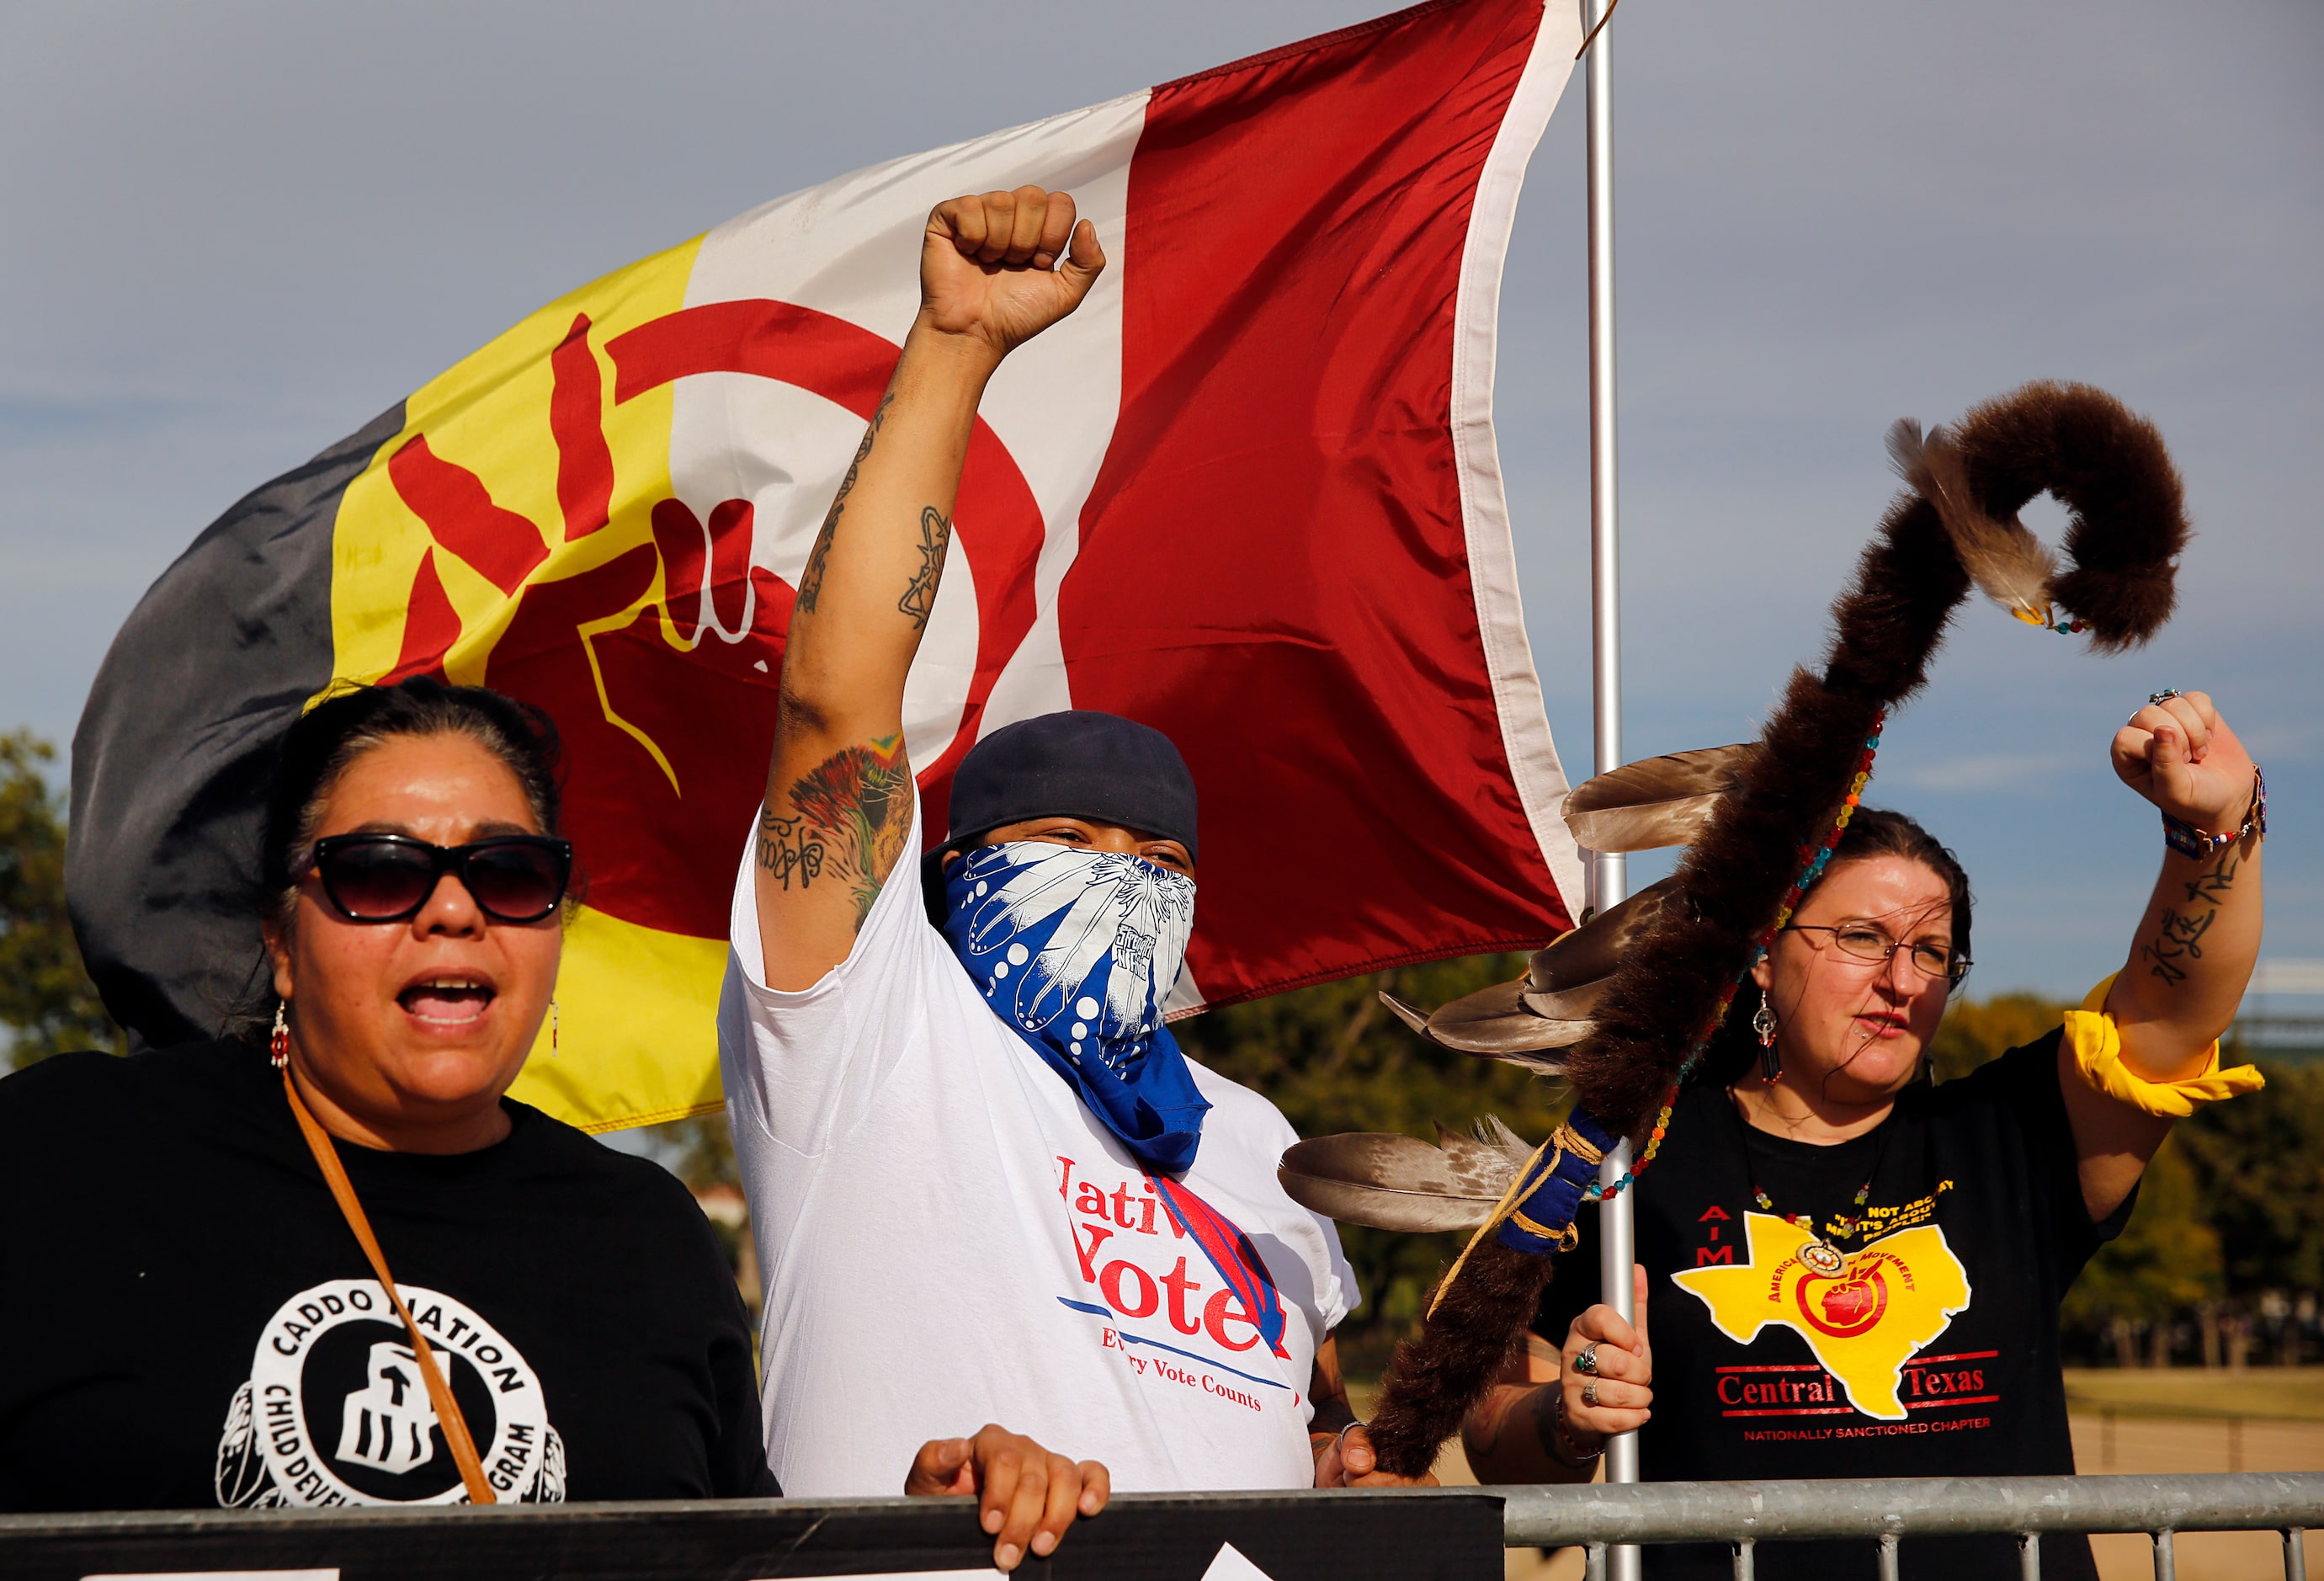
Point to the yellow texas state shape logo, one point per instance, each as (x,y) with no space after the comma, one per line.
(1864,1322)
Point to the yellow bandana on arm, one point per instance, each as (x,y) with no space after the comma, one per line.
(2097,1045)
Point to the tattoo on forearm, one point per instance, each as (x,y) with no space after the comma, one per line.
(920,596)
(2179,937)
(810,588)
(850,815)
(2213,885)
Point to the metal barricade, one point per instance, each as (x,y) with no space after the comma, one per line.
(1411,1535)
(1742,1514)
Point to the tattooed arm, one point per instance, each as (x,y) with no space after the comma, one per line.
(2194,949)
(995,271)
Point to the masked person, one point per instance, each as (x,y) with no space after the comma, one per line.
(196,1299)
(985,1178)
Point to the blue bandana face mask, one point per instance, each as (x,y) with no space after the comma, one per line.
(1077,951)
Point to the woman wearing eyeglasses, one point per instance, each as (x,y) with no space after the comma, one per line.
(1914,1331)
(337,1265)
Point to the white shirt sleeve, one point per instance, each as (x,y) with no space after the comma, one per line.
(803,1067)
(1246,1134)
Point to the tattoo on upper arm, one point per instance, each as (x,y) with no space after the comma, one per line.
(788,849)
(920,596)
(2179,937)
(810,588)
(850,816)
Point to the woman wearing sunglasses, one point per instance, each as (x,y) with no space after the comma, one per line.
(1854,1272)
(197,1301)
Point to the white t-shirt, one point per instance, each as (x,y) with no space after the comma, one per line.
(947,1238)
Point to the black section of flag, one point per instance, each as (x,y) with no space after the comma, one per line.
(170,763)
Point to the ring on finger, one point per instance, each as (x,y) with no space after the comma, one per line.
(2165,695)
(1590,1393)
(1585,1360)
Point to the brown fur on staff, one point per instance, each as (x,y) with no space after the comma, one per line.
(1439,1375)
(2110,469)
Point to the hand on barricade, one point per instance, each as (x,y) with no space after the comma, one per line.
(1348,1462)
(1026,1496)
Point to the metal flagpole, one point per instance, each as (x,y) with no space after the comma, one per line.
(1610,872)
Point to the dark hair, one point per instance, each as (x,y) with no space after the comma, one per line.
(347,723)
(1874,831)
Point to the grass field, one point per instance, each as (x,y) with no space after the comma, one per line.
(2265,1393)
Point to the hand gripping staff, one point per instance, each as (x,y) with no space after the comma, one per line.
(1623,1007)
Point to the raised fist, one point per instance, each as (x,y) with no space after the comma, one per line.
(989,266)
(2181,755)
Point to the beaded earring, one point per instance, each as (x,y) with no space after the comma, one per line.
(552,1029)
(277,1045)
(1771,1058)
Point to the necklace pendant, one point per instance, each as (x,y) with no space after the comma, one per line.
(1823,1257)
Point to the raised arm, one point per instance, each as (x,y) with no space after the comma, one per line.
(838,812)
(2196,944)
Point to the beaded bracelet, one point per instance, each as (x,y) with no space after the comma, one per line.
(1556,1437)
(2189,841)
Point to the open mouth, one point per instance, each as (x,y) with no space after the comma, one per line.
(448,1000)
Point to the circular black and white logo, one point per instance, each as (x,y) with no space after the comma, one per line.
(335,1410)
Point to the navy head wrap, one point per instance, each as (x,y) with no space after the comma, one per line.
(1075,764)
(1078,763)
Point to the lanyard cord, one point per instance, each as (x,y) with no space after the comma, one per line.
(439,1393)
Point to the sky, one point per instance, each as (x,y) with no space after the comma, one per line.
(235,232)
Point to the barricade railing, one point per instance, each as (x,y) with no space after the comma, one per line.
(1742,1514)
(1457,1534)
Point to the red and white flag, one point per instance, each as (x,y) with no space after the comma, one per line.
(1248,494)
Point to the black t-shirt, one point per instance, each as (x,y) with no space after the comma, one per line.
(186,1320)
(1935,1351)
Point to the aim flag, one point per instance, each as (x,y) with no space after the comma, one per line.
(1249,495)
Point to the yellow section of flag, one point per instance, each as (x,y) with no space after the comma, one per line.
(623,1057)
(518,468)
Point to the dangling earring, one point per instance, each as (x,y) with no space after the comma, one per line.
(552,1029)
(1771,1058)
(279,1045)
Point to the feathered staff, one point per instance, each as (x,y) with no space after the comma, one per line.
(1623,1006)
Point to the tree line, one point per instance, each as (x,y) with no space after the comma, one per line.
(2222,1261)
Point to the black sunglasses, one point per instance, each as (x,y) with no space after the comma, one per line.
(387,878)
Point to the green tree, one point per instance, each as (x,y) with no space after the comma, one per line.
(2258,1163)
(1973,1032)
(47,1002)
(2165,1262)
(700,1151)
(1333,1058)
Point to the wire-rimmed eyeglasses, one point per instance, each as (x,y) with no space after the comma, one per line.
(1871,945)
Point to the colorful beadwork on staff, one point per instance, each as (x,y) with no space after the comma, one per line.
(1818,857)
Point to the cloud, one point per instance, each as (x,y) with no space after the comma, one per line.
(30,420)
(283,219)
(1972,773)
